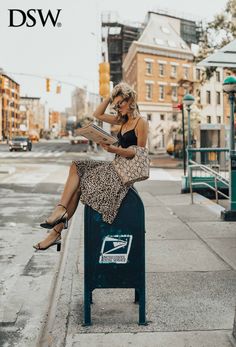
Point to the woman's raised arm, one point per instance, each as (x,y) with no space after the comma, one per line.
(100,115)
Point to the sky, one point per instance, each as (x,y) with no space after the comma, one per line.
(71,53)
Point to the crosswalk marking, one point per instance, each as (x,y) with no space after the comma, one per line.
(36,155)
(47,154)
(3,155)
(43,154)
(58,154)
(31,154)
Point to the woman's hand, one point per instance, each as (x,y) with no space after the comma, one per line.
(108,148)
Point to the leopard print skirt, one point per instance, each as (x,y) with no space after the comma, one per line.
(101,187)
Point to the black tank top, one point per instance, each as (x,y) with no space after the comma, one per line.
(127,139)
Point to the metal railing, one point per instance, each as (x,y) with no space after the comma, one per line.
(215,158)
(209,167)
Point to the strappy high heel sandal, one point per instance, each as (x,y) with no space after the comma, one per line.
(62,219)
(56,242)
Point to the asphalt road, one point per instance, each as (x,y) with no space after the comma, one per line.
(59,151)
(61,145)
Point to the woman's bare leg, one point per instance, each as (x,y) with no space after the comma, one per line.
(52,236)
(70,188)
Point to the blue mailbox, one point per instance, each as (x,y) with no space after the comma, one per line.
(114,254)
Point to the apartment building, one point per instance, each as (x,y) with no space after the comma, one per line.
(83,103)
(32,115)
(159,65)
(210,102)
(9,98)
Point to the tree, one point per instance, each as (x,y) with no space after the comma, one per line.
(217,33)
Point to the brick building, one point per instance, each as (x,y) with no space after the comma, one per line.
(9,115)
(159,66)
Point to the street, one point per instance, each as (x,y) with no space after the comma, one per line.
(44,148)
(188,250)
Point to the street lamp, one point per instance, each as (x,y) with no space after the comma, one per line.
(181,108)
(229,86)
(188,100)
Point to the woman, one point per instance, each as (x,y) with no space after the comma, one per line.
(96,183)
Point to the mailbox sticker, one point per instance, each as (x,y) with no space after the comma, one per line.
(115,249)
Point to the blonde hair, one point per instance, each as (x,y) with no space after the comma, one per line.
(125,90)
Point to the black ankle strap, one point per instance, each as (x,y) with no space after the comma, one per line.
(57,231)
(62,206)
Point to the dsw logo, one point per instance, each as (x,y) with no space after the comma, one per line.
(18,17)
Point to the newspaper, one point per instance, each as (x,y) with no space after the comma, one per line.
(96,134)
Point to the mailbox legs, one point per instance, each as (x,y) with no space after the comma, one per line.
(87,308)
(136,296)
(142,306)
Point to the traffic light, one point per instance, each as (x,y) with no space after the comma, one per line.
(48,84)
(104,79)
(58,89)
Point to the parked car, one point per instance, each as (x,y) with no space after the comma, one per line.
(82,141)
(20,143)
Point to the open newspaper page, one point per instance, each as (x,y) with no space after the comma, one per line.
(96,134)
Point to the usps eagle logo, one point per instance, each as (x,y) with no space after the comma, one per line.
(115,249)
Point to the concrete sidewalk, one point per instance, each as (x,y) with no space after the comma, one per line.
(190,280)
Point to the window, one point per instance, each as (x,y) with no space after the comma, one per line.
(161,69)
(198,74)
(173,71)
(148,91)
(159,41)
(162,117)
(219,119)
(161,92)
(174,93)
(186,72)
(165,30)
(198,96)
(208,97)
(149,116)
(218,76)
(148,68)
(218,98)
(209,119)
(174,117)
